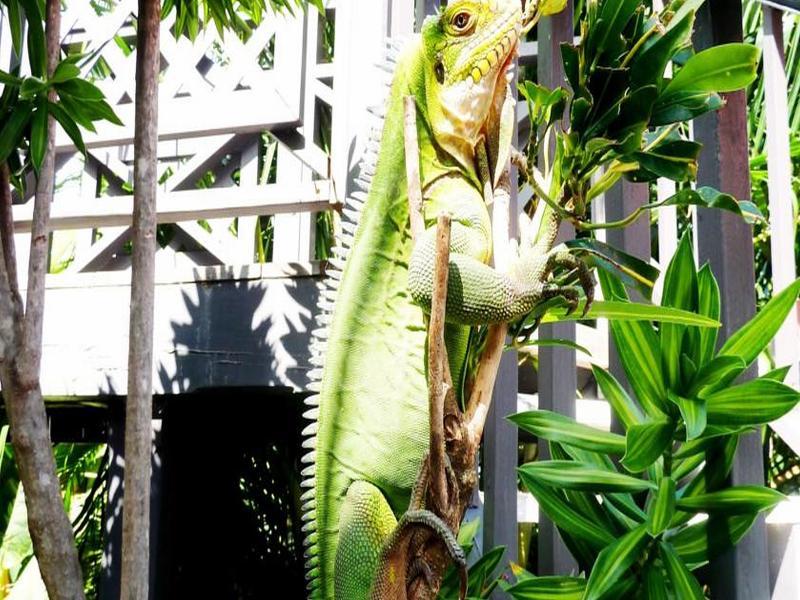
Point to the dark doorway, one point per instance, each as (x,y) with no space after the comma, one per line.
(230,522)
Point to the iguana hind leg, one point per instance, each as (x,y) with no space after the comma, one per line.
(366,524)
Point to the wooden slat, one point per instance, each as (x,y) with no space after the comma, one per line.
(557,372)
(726,242)
(187,205)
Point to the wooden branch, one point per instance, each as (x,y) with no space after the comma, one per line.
(49,526)
(135,576)
(412,167)
(437,366)
(9,262)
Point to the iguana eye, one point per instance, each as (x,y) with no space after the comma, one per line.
(461,21)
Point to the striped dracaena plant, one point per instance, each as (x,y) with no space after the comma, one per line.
(642,510)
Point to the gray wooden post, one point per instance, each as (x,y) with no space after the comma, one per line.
(620,201)
(726,242)
(557,375)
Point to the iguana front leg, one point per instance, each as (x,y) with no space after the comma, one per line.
(477,294)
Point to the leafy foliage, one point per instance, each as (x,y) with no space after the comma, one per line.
(681,426)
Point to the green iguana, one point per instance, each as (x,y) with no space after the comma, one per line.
(370,429)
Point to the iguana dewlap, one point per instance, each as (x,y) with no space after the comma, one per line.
(370,429)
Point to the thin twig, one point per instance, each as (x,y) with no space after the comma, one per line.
(412,167)
(7,238)
(437,388)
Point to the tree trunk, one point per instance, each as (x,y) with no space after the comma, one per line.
(139,409)
(20,362)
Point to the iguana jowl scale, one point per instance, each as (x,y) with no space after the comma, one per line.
(370,429)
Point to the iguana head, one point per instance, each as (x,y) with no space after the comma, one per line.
(469,46)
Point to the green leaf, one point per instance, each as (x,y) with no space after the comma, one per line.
(631,311)
(655,585)
(564,516)
(558,428)
(39,134)
(640,354)
(69,126)
(634,271)
(551,7)
(482,570)
(749,341)
(708,197)
(737,500)
(708,304)
(11,132)
(716,374)
(80,90)
(65,70)
(755,402)
(693,411)
(699,543)
(645,443)
(650,64)
(684,106)
(9,79)
(723,68)
(680,291)
(662,508)
(778,374)
(614,561)
(548,588)
(683,582)
(556,342)
(611,20)
(622,404)
(571,475)
(36,41)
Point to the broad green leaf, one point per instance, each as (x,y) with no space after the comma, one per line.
(662,508)
(611,20)
(39,134)
(558,428)
(693,411)
(655,584)
(683,582)
(640,354)
(682,467)
(680,291)
(65,70)
(723,68)
(482,570)
(708,197)
(633,271)
(564,516)
(34,20)
(623,405)
(614,561)
(749,341)
(467,532)
(650,64)
(81,90)
(708,304)
(699,543)
(674,159)
(735,500)
(11,132)
(645,443)
(548,588)
(716,374)
(755,402)
(630,311)
(571,475)
(684,106)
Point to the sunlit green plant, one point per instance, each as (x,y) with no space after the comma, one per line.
(627,505)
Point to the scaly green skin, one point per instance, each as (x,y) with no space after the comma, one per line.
(372,421)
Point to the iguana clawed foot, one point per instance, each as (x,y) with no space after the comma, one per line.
(398,570)
(563,258)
